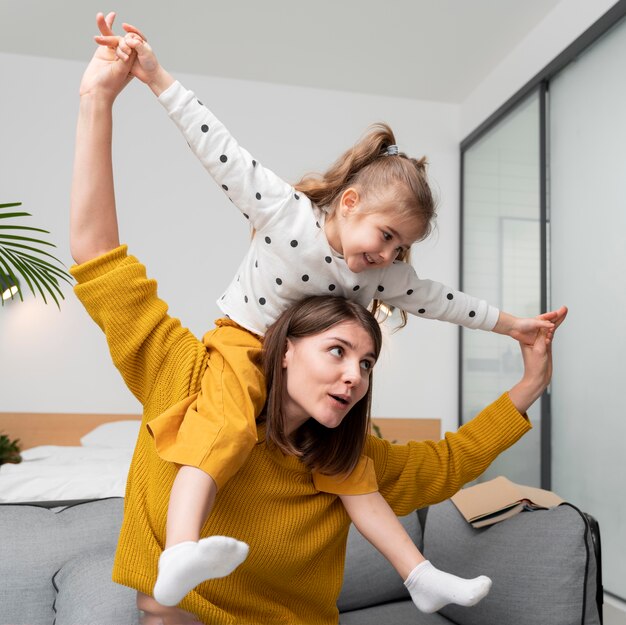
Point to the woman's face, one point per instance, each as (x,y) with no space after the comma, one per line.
(327,374)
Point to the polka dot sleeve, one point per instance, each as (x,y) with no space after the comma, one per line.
(255,190)
(401,287)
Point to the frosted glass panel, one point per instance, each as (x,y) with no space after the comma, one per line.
(588,248)
(501,263)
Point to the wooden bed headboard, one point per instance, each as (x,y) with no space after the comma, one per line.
(404,430)
(41,428)
(53,428)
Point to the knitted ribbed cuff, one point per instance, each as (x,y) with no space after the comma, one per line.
(100,265)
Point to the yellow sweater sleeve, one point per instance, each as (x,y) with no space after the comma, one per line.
(152,351)
(423,473)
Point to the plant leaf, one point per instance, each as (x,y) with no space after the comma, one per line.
(18,246)
(12,227)
(26,272)
(21,258)
(18,237)
(40,277)
(20,214)
(48,284)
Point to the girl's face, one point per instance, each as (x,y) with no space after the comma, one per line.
(327,374)
(370,236)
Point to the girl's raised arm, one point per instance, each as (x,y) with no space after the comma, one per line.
(255,190)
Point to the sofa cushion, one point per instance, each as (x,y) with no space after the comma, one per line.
(395,613)
(546,550)
(86,594)
(35,542)
(369,579)
(25,597)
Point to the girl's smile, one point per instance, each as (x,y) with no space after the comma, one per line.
(368,236)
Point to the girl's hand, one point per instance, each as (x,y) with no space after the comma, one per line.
(106,75)
(526,330)
(134,45)
(537,360)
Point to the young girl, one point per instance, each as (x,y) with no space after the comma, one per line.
(347,233)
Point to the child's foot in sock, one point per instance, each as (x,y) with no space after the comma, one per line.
(431,588)
(183,566)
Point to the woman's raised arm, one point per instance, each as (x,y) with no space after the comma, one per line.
(93,218)
(537,366)
(426,472)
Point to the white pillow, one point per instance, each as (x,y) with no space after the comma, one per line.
(120,434)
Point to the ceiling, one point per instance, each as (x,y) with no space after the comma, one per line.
(436,50)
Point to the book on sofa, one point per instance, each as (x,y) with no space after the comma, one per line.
(499,499)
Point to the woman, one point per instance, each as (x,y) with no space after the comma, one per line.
(318,358)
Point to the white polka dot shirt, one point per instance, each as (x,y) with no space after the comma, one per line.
(289,256)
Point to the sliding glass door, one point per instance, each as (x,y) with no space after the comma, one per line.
(544,220)
(588,248)
(502,263)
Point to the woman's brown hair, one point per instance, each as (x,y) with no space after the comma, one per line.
(368,166)
(332,451)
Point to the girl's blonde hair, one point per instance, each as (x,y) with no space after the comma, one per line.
(368,166)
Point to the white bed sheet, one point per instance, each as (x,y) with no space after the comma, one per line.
(57,473)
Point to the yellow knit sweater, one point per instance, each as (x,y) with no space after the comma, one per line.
(297,535)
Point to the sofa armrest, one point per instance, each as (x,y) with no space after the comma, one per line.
(542,564)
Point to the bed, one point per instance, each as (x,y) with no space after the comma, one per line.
(77,457)
(67,457)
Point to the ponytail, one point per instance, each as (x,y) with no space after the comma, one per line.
(374,168)
(324,189)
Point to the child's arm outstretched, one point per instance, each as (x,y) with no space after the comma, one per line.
(255,190)
(430,299)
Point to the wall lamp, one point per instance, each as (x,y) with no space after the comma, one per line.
(9,286)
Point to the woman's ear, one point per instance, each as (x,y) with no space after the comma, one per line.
(288,352)
(349,201)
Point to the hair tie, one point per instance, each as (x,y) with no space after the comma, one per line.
(392,150)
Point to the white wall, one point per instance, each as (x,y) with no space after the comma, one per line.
(55,361)
(567,21)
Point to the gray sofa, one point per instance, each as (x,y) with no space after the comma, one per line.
(55,566)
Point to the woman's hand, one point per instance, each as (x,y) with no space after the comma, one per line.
(107,74)
(153,613)
(537,360)
(134,47)
(525,330)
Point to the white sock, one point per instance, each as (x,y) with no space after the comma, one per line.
(183,566)
(431,588)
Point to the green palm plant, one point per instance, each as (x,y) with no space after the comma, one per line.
(22,256)
(9,450)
